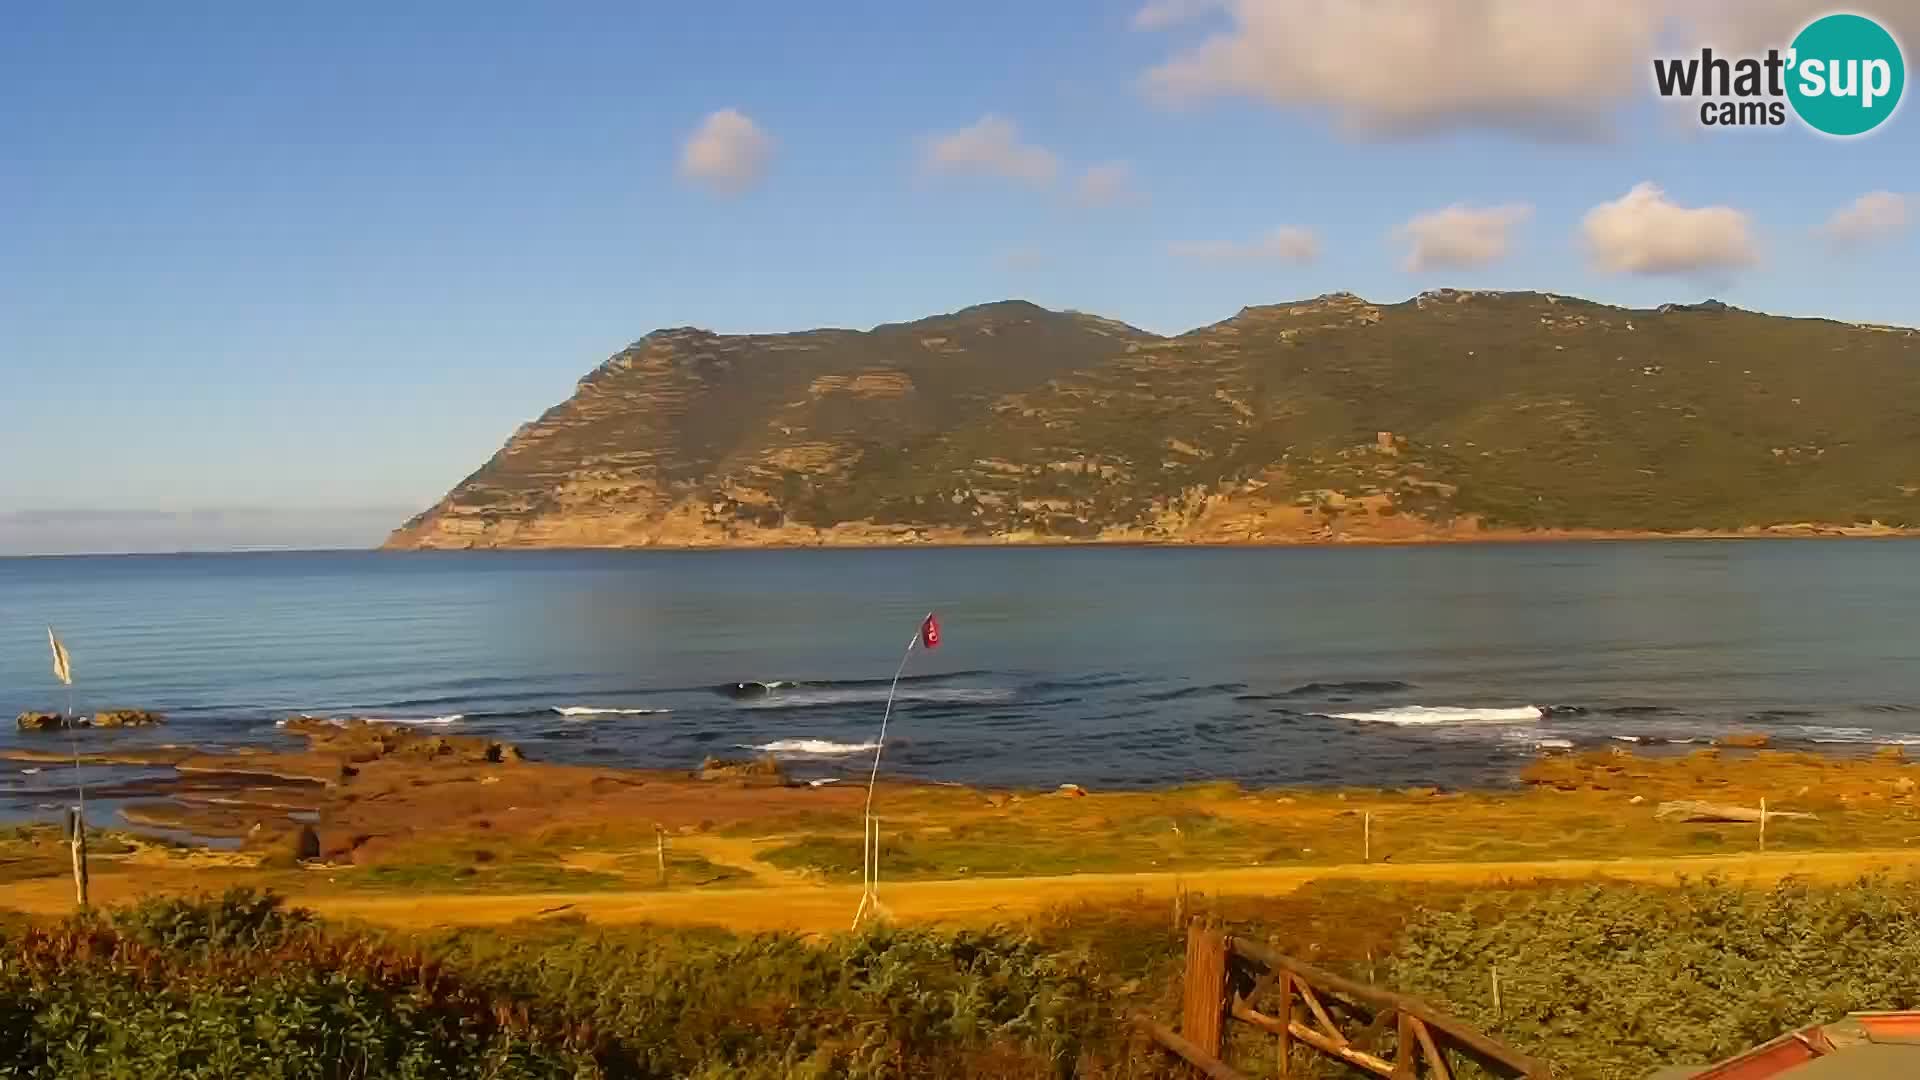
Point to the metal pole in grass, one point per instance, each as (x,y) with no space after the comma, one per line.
(926,635)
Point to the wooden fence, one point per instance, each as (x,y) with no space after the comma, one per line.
(1227,977)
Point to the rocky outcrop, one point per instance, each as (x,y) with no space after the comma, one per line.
(764,770)
(109,718)
(358,740)
(1454,415)
(117,718)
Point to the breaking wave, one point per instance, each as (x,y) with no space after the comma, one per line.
(1856,736)
(340,721)
(811,747)
(576,711)
(450,718)
(1434,715)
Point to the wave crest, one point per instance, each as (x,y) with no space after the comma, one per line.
(811,747)
(1434,715)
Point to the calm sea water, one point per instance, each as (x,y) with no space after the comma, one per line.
(1101,666)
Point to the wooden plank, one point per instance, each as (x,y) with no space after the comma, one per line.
(1320,1014)
(1379,1066)
(1436,1061)
(1486,1048)
(1248,1014)
(1203,1063)
(1405,1058)
(1204,1004)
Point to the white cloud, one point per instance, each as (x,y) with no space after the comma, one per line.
(728,154)
(991,146)
(1288,243)
(1108,184)
(1160,14)
(1876,215)
(1403,66)
(1460,235)
(1384,66)
(1756,25)
(1643,232)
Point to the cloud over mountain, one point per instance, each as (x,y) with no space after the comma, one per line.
(1644,232)
(728,154)
(1460,236)
(1288,243)
(990,146)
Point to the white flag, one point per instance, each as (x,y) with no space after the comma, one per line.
(62,663)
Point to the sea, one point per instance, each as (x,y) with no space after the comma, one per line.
(1108,667)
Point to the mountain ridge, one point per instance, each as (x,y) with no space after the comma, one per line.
(1453,414)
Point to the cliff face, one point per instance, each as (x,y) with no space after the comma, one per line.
(1443,416)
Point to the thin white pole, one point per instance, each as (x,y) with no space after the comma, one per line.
(1763,823)
(870,851)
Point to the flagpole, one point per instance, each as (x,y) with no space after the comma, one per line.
(77,816)
(869,834)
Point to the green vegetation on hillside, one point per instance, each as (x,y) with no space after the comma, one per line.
(1521,410)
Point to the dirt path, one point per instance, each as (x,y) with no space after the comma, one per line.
(797,905)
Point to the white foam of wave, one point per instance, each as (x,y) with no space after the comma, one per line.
(591,710)
(1427,715)
(1553,744)
(1856,736)
(451,718)
(815,747)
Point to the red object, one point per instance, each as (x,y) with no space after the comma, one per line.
(930,632)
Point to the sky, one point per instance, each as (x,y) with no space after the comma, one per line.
(282,275)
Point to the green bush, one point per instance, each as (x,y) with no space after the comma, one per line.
(242,987)
(1613,981)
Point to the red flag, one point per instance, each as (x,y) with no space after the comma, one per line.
(930,632)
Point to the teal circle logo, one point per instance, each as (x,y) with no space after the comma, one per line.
(1846,74)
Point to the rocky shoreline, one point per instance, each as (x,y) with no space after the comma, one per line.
(866,536)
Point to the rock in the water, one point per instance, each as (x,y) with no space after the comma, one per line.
(764,770)
(359,740)
(45,721)
(128,718)
(1073,791)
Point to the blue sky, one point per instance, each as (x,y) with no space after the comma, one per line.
(322,262)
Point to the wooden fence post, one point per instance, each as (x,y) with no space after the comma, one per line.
(660,848)
(1204,1001)
(1286,1023)
(77,835)
(1407,1053)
